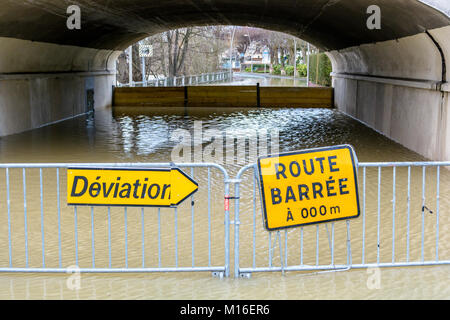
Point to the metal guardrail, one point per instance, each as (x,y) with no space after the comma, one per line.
(27,261)
(191,80)
(300,248)
(359,243)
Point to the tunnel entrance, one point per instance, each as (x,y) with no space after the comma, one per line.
(390,75)
(215,66)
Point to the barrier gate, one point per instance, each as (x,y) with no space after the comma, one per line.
(402,230)
(402,223)
(45,235)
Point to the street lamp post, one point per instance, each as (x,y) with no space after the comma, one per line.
(144,78)
(307,67)
(295,59)
(231,54)
(130,66)
(251,58)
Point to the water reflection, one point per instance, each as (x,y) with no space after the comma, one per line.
(144,135)
(423,284)
(240,79)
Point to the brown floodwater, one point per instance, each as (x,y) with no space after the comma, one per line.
(143,135)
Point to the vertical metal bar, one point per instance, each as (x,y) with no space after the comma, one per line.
(437,211)
(317,245)
(301,246)
(378,216)
(58,204)
(285,247)
(236,225)
(408,213)
(393,213)
(254,220)
(227,229)
(143,237)
(192,223)
(8,202)
(159,237)
(281,251)
(332,243)
(109,236)
(329,242)
(423,215)
(364,218)
(270,249)
(42,217)
(75,213)
(349,247)
(93,237)
(126,236)
(25,215)
(176,237)
(209,216)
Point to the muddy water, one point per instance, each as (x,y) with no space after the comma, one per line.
(147,238)
(247,79)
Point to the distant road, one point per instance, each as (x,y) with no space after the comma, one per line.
(246,78)
(264,75)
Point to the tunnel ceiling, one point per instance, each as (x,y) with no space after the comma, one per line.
(115,24)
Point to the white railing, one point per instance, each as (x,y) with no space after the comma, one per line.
(191,80)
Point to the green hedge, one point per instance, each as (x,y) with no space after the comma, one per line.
(277,69)
(301,70)
(289,70)
(324,77)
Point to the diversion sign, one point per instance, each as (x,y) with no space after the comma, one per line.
(128,187)
(308,187)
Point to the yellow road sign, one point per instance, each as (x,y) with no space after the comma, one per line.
(308,187)
(128,187)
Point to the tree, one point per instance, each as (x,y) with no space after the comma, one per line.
(195,50)
(177,45)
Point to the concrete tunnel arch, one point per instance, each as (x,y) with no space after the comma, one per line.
(394,79)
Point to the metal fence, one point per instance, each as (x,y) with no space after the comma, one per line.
(45,235)
(204,78)
(400,224)
(403,222)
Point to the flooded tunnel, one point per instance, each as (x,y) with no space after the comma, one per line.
(393,79)
(391,103)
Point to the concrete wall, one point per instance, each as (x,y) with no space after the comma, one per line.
(393,86)
(42,83)
(397,87)
(31,102)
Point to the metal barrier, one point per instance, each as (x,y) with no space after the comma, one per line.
(44,235)
(396,227)
(399,231)
(191,80)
